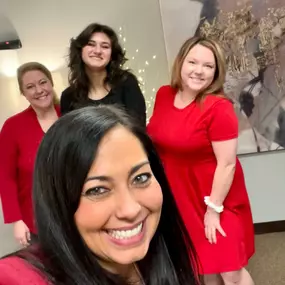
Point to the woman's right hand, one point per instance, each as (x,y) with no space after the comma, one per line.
(22,233)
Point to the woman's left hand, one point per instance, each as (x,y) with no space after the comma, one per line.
(212,224)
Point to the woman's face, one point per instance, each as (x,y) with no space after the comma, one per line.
(198,69)
(97,53)
(37,89)
(121,201)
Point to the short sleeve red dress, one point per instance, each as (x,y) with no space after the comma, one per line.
(183,140)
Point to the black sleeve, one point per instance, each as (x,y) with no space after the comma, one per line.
(66,101)
(134,99)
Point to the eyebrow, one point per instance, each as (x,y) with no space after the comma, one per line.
(107,178)
(193,58)
(92,41)
(43,78)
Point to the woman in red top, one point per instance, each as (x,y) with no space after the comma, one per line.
(20,137)
(195,130)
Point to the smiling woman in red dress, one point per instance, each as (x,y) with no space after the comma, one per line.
(20,137)
(195,131)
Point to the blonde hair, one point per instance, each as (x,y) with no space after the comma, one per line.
(31,66)
(216,87)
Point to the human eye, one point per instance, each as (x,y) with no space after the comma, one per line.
(105,46)
(142,179)
(43,82)
(91,44)
(96,191)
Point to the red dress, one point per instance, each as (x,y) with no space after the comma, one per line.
(183,140)
(20,138)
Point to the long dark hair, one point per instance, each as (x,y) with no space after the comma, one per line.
(78,79)
(63,162)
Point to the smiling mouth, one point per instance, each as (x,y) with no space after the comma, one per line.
(197,79)
(96,57)
(126,234)
(42,97)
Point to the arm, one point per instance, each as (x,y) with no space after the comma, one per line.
(8,173)
(134,99)
(225,152)
(223,133)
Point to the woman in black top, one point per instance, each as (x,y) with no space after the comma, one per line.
(96,75)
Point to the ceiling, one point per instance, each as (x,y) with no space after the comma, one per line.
(46,27)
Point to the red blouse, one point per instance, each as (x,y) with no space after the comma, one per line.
(20,138)
(15,271)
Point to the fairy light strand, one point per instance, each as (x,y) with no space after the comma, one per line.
(141,73)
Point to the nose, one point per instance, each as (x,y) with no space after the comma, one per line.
(198,69)
(128,208)
(97,49)
(39,89)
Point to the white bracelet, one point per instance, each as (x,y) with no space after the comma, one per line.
(218,209)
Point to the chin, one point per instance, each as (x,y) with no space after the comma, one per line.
(195,88)
(44,105)
(97,67)
(129,257)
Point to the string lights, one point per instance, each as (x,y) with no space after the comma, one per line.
(140,67)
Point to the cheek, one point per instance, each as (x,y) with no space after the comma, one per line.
(153,198)
(211,73)
(90,217)
(49,88)
(84,53)
(185,70)
(108,54)
(210,76)
(29,95)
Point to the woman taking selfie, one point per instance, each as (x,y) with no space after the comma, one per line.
(104,210)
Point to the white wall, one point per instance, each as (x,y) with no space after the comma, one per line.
(265,179)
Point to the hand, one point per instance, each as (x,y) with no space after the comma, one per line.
(212,224)
(22,233)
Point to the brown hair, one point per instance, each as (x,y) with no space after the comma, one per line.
(216,87)
(31,66)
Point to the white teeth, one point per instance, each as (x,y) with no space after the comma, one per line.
(126,234)
(42,98)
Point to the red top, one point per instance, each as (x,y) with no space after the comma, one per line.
(15,271)
(20,138)
(183,138)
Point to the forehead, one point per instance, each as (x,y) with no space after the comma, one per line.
(201,52)
(32,75)
(100,37)
(118,151)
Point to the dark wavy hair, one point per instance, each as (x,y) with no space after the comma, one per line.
(78,79)
(63,162)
